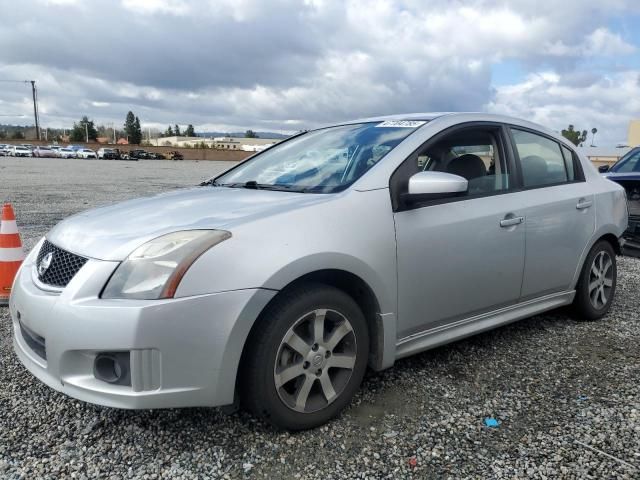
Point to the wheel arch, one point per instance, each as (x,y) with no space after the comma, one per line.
(361,292)
(613,240)
(603,234)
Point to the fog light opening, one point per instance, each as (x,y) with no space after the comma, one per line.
(108,369)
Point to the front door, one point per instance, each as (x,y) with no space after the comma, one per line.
(464,256)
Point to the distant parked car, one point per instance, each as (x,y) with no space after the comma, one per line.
(20,151)
(156,156)
(626,172)
(139,154)
(75,148)
(28,146)
(43,152)
(125,156)
(55,150)
(175,155)
(67,153)
(4,150)
(86,153)
(108,154)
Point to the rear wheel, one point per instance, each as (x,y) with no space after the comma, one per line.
(597,283)
(306,358)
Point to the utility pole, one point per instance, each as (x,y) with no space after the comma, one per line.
(35,107)
(35,101)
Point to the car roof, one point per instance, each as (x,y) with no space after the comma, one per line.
(463,116)
(430,116)
(402,116)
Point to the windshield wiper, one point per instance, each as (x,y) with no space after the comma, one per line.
(253,185)
(211,183)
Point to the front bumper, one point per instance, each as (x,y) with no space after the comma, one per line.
(183,352)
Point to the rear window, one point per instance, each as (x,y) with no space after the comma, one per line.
(541,159)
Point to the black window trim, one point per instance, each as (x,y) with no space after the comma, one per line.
(577,165)
(505,151)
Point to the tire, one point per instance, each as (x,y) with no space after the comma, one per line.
(291,388)
(597,283)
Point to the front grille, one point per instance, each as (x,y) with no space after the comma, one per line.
(35,341)
(64,265)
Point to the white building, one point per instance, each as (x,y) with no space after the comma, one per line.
(603,155)
(221,143)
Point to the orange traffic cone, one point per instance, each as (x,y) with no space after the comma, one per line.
(11,253)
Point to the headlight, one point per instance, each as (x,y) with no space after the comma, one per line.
(155,269)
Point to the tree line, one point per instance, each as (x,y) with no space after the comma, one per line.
(86,130)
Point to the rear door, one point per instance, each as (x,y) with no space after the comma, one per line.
(559,212)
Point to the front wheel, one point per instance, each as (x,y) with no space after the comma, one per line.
(597,283)
(305,358)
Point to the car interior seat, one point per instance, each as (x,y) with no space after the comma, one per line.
(534,171)
(468,166)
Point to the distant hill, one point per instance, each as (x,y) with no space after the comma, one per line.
(241,134)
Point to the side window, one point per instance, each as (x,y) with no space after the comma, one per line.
(569,164)
(471,153)
(541,159)
(631,164)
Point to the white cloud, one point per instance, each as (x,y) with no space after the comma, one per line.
(63,3)
(600,42)
(150,7)
(607,103)
(285,62)
(604,42)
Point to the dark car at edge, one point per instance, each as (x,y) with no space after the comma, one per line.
(626,172)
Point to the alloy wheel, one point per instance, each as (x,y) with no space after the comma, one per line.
(600,280)
(315,360)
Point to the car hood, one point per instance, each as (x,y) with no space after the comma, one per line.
(113,232)
(622,176)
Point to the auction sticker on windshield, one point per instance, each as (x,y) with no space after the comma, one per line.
(402,123)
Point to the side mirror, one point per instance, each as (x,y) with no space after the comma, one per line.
(603,168)
(436,185)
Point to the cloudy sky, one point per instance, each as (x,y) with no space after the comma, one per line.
(284,65)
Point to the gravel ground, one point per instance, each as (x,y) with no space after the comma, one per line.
(566,394)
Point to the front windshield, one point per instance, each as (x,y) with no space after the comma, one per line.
(321,161)
(629,163)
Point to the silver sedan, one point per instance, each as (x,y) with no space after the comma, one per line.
(278,283)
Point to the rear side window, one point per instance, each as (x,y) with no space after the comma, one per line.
(541,159)
(570,165)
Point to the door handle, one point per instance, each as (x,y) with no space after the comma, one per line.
(510,221)
(582,204)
